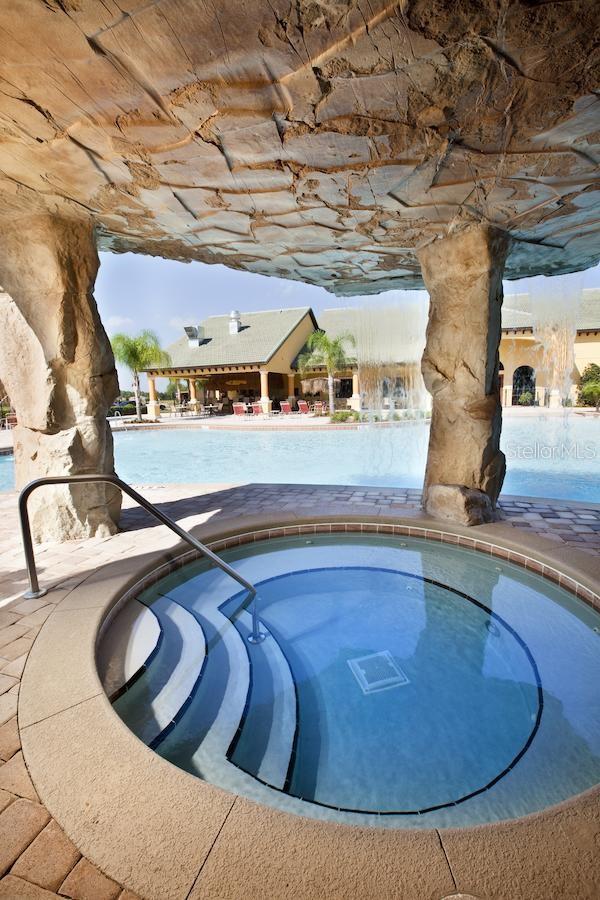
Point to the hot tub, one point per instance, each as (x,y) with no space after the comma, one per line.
(379,680)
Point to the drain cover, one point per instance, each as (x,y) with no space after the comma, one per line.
(377,672)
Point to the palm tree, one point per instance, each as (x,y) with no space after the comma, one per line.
(321,350)
(137,353)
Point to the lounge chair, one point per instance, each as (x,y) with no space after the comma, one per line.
(286,408)
(257,409)
(239,409)
(303,407)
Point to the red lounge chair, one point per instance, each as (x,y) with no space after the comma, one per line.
(303,407)
(286,408)
(257,409)
(239,409)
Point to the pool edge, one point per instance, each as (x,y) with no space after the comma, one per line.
(117,828)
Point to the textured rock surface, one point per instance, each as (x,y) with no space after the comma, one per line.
(456,503)
(58,367)
(321,141)
(463,274)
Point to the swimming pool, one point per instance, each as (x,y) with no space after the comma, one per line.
(397,682)
(546,456)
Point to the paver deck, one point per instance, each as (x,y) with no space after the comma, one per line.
(36,858)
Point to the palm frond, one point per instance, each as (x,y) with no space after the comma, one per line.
(139,352)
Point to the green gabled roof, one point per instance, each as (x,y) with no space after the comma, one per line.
(335,322)
(338,321)
(516,311)
(261,335)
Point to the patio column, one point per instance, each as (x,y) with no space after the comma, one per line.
(58,368)
(291,385)
(153,404)
(355,399)
(465,467)
(192,390)
(264,391)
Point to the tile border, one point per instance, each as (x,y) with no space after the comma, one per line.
(356,526)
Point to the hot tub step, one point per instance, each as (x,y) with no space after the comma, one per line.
(153,702)
(265,740)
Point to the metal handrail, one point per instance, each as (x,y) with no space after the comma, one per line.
(34,588)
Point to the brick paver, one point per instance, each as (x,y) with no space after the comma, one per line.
(14,777)
(12,888)
(5,800)
(49,859)
(37,861)
(86,882)
(8,704)
(20,824)
(9,739)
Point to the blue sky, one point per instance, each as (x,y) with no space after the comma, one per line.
(135,292)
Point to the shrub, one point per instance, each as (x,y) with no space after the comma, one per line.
(589,394)
(590,375)
(526,398)
(344,415)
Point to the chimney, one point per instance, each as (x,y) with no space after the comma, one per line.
(194,334)
(235,321)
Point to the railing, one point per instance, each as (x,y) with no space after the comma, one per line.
(34,588)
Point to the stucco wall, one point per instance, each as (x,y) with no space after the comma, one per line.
(587,350)
(282,360)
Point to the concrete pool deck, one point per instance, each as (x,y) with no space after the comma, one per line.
(167,834)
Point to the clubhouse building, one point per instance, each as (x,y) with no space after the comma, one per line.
(254,356)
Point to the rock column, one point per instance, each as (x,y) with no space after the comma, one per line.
(58,367)
(465,467)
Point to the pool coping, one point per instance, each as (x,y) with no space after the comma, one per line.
(125,806)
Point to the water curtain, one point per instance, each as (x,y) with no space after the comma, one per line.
(390,338)
(553,304)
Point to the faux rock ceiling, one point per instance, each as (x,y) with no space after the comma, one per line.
(320,141)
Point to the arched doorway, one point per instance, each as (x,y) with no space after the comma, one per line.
(523,384)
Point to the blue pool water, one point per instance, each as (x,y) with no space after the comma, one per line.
(399,683)
(546,456)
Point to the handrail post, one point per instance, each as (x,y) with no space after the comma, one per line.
(257,636)
(34,589)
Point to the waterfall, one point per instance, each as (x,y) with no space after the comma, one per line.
(554,304)
(390,338)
